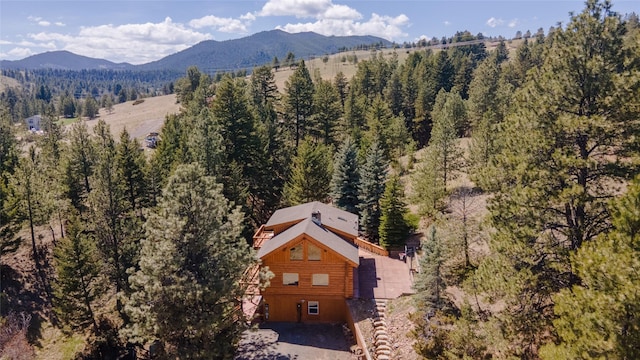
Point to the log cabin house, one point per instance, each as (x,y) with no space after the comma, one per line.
(310,249)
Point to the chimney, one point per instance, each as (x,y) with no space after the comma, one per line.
(315,217)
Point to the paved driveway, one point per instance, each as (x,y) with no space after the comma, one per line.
(288,341)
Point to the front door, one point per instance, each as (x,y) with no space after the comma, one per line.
(299,308)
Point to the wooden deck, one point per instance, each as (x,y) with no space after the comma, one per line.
(261,236)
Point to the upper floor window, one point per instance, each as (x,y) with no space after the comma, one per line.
(290,279)
(314,252)
(296,252)
(320,279)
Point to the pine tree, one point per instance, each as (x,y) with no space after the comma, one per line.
(341,84)
(299,91)
(554,176)
(274,167)
(28,200)
(483,90)
(430,283)
(264,90)
(171,151)
(327,112)
(346,178)
(191,266)
(601,316)
(354,113)
(372,179)
(244,171)
(108,204)
(131,163)
(8,163)
(427,188)
(78,283)
(448,112)
(78,165)
(393,94)
(394,228)
(91,108)
(310,174)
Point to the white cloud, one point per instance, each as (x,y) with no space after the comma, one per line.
(317,9)
(144,42)
(133,43)
(248,16)
(227,25)
(334,19)
(340,12)
(513,23)
(19,53)
(447,23)
(493,22)
(297,8)
(39,20)
(383,26)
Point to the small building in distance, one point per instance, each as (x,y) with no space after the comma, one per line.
(310,249)
(33,122)
(151,140)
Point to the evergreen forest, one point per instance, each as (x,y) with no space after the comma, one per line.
(518,165)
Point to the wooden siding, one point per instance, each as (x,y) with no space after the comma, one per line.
(282,300)
(285,308)
(339,270)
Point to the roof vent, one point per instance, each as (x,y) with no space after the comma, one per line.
(315,217)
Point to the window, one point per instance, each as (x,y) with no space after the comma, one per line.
(320,279)
(290,279)
(296,253)
(313,307)
(315,253)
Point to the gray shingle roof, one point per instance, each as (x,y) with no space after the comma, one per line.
(318,232)
(330,216)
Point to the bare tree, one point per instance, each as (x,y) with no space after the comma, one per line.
(464,210)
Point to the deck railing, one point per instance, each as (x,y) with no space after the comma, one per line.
(370,247)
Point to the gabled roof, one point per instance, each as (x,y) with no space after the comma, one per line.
(317,232)
(330,216)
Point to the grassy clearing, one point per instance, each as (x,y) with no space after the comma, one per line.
(67,121)
(56,345)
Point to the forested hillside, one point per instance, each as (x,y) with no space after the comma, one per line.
(519,166)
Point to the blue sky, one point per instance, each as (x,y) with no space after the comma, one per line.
(146,30)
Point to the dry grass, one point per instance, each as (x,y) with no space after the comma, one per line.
(328,70)
(141,119)
(7,82)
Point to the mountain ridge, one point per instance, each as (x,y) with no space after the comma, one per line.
(210,55)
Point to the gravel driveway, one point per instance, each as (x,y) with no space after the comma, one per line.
(285,341)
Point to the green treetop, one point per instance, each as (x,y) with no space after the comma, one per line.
(191,266)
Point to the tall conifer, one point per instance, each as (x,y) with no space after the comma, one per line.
(191,266)
(346,178)
(373,176)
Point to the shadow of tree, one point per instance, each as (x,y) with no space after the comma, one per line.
(256,346)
